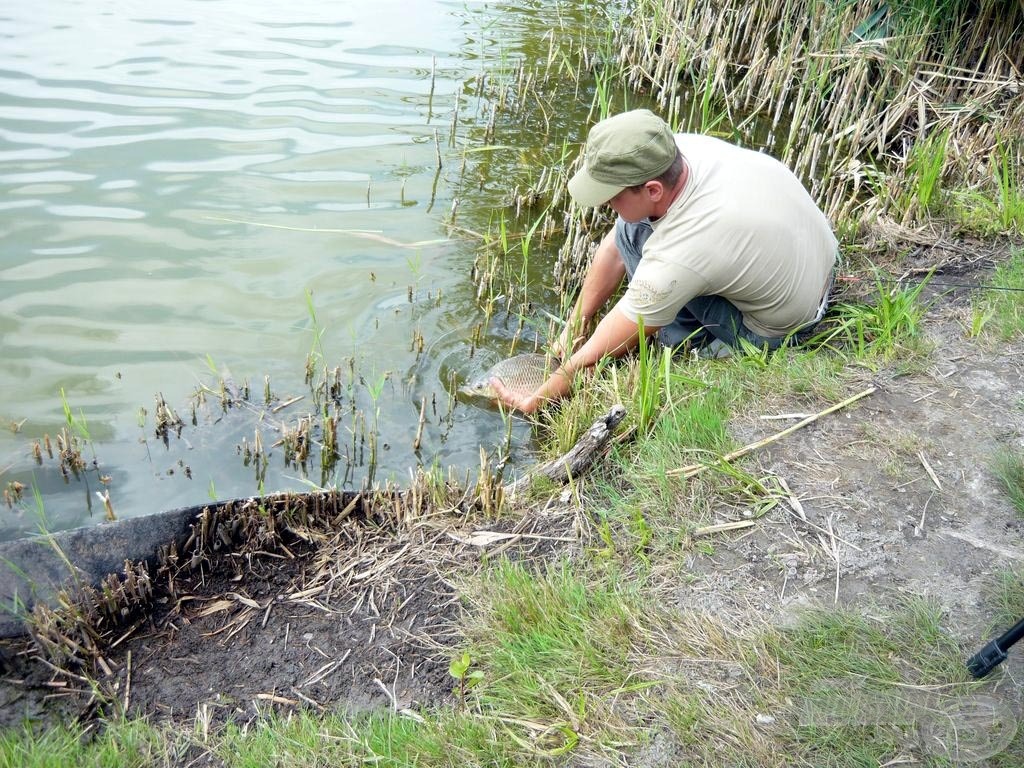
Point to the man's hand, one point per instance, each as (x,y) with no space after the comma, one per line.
(524,403)
(567,341)
(614,335)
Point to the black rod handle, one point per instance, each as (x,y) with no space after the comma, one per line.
(987,659)
(1012,635)
(994,653)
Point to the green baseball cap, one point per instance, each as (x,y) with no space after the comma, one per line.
(622,151)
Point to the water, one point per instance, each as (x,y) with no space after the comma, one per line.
(176,181)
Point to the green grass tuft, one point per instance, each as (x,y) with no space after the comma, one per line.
(120,744)
(1010,469)
(884,328)
(1007,599)
(557,650)
(1003,311)
(388,740)
(924,170)
(865,688)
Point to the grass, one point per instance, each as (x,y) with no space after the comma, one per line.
(1007,593)
(556,649)
(297,740)
(1009,467)
(924,170)
(866,690)
(885,326)
(1001,312)
(389,740)
(119,744)
(1006,163)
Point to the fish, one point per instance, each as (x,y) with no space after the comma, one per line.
(522,374)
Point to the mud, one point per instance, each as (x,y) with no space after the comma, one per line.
(251,635)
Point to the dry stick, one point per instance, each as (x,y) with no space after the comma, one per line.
(388,693)
(928,469)
(795,503)
(307,699)
(920,524)
(793,500)
(835,555)
(433,76)
(128,682)
(276,699)
(417,441)
(1012,554)
(60,671)
(286,403)
(695,469)
(783,416)
(721,527)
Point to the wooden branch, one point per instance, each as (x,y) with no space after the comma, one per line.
(695,469)
(929,470)
(722,527)
(576,461)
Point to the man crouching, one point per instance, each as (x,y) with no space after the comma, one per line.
(718,243)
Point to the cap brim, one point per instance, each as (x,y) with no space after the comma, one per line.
(588,192)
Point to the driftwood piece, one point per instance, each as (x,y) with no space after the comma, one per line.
(578,458)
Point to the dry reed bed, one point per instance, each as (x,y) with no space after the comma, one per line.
(359,541)
(857,99)
(844,100)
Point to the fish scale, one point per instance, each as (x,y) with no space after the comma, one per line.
(522,374)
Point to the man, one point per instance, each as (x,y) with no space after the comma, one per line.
(718,243)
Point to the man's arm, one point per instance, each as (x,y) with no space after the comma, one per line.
(603,276)
(615,335)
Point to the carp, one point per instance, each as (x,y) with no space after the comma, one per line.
(522,374)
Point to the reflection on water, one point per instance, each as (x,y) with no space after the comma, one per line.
(134,141)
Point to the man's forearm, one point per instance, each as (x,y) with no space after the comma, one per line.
(615,335)
(603,277)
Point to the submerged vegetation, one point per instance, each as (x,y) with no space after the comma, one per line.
(905,119)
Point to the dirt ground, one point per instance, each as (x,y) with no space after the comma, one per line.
(216,657)
(899,490)
(893,495)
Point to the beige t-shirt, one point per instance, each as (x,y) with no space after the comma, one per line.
(743,228)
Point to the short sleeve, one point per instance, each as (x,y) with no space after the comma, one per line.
(658,291)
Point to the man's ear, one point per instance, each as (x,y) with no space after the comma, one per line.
(655,190)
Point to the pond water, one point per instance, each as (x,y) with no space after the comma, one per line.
(218,187)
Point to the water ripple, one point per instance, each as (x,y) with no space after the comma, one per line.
(94,212)
(124,126)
